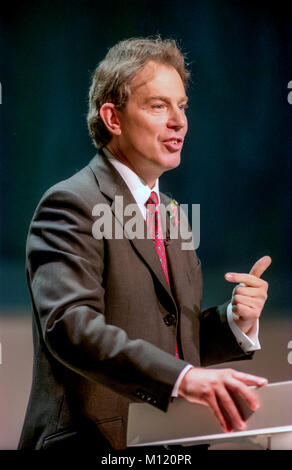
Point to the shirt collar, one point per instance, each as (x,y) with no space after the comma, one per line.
(139,189)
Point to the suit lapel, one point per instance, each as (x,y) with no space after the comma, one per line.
(173,253)
(113,187)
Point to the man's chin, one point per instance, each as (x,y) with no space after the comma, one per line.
(172,161)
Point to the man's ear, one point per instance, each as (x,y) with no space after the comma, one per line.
(109,115)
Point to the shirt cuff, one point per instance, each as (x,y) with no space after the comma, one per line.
(179,379)
(247,343)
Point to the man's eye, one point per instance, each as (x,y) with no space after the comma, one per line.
(158,106)
(183,106)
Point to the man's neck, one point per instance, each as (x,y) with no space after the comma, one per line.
(150,181)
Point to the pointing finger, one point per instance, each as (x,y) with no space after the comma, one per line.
(260,266)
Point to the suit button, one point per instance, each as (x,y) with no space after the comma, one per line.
(170,319)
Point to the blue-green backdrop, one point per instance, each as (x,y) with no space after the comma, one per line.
(237,156)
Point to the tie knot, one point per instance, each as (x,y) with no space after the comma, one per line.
(153,199)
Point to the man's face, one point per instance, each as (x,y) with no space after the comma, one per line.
(153,123)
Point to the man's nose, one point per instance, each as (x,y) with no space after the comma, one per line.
(177,119)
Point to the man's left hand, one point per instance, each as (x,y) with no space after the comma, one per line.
(249,299)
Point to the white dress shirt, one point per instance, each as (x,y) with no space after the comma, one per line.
(141,193)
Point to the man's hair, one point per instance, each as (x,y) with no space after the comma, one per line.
(112,78)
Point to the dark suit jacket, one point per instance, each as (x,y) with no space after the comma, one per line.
(105,322)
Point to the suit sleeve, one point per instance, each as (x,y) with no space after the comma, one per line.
(217,342)
(65,266)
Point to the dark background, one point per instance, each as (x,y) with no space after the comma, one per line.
(237,157)
(236,160)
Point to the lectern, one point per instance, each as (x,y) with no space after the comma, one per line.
(186,423)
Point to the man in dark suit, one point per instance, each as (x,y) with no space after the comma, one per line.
(114,322)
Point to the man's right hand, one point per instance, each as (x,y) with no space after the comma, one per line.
(214,388)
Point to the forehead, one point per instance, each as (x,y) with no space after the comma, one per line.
(157,79)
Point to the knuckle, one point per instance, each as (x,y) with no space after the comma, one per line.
(250,400)
(256,313)
(236,299)
(214,383)
(206,392)
(262,296)
(240,309)
(248,394)
(236,388)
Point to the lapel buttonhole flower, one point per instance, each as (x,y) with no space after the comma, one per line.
(173,213)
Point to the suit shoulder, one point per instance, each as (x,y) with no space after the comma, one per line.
(80,186)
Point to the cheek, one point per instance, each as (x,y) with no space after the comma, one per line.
(149,135)
(145,132)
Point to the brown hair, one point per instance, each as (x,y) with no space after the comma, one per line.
(112,77)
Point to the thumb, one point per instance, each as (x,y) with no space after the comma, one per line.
(260,266)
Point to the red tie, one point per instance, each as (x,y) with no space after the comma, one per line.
(155,229)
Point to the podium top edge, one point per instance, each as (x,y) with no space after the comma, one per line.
(272,384)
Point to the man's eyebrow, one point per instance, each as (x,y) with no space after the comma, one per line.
(166,98)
